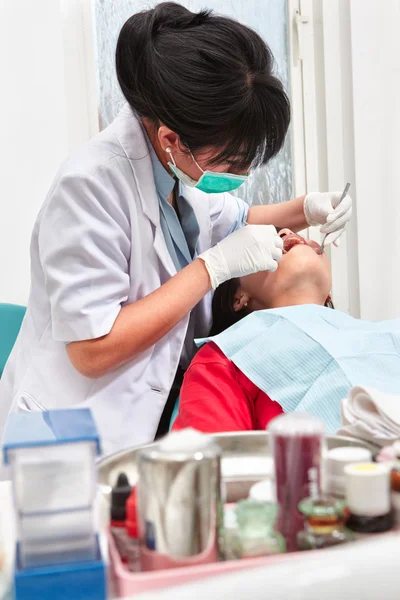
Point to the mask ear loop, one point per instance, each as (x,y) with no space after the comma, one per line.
(196,163)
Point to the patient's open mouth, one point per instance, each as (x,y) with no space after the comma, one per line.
(291,240)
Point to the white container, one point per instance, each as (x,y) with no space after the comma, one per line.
(368,489)
(263,491)
(335,461)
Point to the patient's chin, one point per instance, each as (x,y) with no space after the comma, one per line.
(303,256)
(302,263)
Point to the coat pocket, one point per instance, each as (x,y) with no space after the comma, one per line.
(26,403)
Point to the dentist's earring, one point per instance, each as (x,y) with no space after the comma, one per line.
(169,151)
(245,304)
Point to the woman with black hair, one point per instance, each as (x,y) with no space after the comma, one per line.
(139,225)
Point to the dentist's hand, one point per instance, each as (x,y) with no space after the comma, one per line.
(249,250)
(324,209)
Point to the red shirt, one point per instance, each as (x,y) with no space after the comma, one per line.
(216,396)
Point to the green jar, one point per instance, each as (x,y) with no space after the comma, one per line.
(256,529)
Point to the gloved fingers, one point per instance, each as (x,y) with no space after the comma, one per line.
(333,237)
(335,200)
(273,265)
(340,209)
(276,254)
(337,223)
(277,249)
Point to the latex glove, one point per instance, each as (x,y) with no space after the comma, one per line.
(324,209)
(249,250)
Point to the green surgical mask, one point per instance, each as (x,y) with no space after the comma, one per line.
(210,182)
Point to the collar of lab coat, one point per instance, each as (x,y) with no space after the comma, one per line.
(131,137)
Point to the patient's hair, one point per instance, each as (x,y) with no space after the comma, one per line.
(223,313)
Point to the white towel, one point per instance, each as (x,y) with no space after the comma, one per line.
(370,415)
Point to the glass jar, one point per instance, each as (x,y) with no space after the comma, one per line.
(324,523)
(256,533)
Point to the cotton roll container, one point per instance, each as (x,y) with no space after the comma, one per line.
(179,501)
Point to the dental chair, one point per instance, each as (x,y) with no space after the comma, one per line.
(175,413)
(11,317)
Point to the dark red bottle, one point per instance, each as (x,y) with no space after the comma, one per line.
(296,444)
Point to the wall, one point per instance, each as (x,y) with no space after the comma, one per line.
(48,106)
(42,120)
(351,86)
(376,90)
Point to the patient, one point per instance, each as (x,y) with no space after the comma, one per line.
(297,355)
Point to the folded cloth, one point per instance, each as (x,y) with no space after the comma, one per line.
(370,415)
(308,357)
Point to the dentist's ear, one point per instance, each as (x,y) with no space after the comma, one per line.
(168,139)
(240,300)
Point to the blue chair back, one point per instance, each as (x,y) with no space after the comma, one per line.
(11,316)
(175,413)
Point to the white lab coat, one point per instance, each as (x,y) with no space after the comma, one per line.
(97,245)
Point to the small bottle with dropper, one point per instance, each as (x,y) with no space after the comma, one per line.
(324,523)
(119,496)
(133,547)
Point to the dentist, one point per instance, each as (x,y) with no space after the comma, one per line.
(139,226)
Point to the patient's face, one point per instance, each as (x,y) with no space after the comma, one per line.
(302,273)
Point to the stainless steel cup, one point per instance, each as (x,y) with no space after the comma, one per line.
(179,505)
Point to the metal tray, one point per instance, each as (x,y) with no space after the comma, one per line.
(246,460)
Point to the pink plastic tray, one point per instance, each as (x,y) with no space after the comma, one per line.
(129,584)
